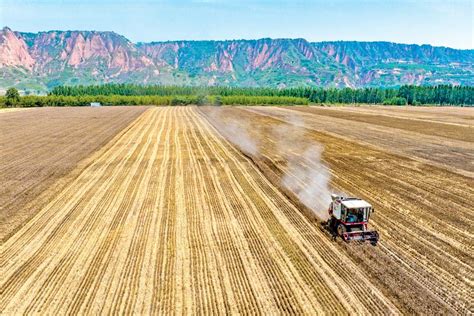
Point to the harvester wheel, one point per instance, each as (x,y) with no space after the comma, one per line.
(341,229)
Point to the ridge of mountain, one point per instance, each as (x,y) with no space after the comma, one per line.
(40,61)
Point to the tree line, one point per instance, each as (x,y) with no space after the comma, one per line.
(408,94)
(130,94)
(13,99)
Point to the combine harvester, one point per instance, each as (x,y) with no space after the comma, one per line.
(349,218)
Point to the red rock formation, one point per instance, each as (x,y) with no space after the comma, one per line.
(13,50)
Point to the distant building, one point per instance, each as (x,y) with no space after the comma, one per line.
(95,103)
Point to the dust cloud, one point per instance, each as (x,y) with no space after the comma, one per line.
(235,132)
(306,176)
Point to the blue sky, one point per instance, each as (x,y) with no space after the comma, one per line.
(442,23)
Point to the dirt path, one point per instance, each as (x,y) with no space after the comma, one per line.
(170,218)
(40,147)
(10,110)
(426,246)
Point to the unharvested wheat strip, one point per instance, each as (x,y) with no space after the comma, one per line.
(259,227)
(114,228)
(44,250)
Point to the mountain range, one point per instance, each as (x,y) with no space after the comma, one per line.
(39,61)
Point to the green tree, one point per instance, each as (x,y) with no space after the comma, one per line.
(218,100)
(12,97)
(395,101)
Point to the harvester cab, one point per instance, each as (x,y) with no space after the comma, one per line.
(349,218)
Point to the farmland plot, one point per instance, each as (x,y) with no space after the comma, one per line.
(39,147)
(423,211)
(170,217)
(444,144)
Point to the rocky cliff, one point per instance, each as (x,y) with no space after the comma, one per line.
(39,61)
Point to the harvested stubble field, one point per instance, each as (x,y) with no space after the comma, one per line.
(170,216)
(40,146)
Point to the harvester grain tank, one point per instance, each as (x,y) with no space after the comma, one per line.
(349,218)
